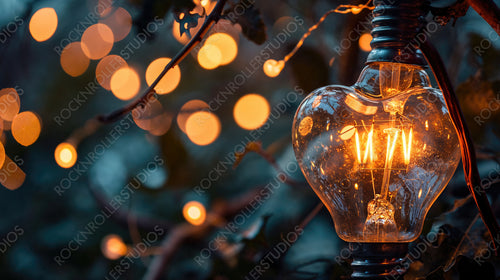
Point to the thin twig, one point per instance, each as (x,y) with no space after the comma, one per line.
(256,147)
(182,232)
(122,216)
(342,9)
(471,172)
(455,253)
(212,18)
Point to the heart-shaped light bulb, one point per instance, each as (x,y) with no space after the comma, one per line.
(378,154)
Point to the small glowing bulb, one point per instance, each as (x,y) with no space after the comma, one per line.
(194,212)
(364,42)
(355,10)
(113,247)
(65,155)
(272,68)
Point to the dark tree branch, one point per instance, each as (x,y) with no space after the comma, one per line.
(212,18)
(122,217)
(489,11)
(469,161)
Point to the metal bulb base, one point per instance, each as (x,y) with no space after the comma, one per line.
(376,261)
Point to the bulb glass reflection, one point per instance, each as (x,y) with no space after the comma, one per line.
(379,153)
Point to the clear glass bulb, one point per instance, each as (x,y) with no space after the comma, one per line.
(379,153)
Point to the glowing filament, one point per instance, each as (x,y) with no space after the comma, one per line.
(368,147)
(392,146)
(357,147)
(407,146)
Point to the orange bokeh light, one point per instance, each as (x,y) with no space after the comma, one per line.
(107,67)
(272,68)
(226,45)
(364,42)
(2,154)
(43,24)
(9,104)
(113,247)
(169,82)
(203,128)
(152,117)
(73,61)
(120,22)
(125,83)
(187,109)
(26,128)
(11,176)
(251,111)
(209,56)
(194,212)
(65,155)
(97,41)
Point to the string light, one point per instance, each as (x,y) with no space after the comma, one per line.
(251,111)
(125,83)
(203,128)
(120,22)
(26,128)
(65,155)
(209,56)
(43,24)
(194,212)
(97,41)
(73,61)
(272,67)
(106,67)
(168,82)
(364,42)
(9,104)
(187,109)
(113,247)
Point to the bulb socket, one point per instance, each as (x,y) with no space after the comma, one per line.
(376,261)
(396,24)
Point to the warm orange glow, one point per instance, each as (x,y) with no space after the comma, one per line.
(251,111)
(347,132)
(169,82)
(364,42)
(202,128)
(2,154)
(120,22)
(152,117)
(43,24)
(26,128)
(11,176)
(209,56)
(97,41)
(112,247)
(104,7)
(194,212)
(272,68)
(226,45)
(107,67)
(186,111)
(125,83)
(358,148)
(9,104)
(407,146)
(65,155)
(73,61)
